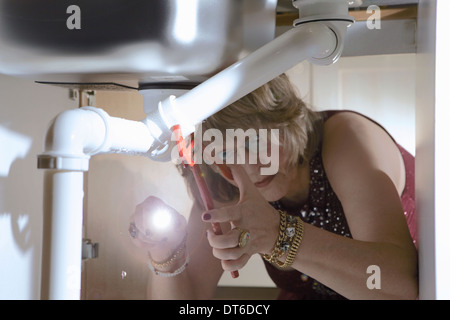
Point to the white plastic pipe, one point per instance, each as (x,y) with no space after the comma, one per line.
(62,237)
(75,135)
(71,139)
(312,40)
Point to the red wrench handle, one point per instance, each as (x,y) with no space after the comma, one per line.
(201,184)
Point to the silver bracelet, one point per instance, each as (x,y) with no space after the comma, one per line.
(169,274)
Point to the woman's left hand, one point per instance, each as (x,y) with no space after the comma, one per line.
(253,214)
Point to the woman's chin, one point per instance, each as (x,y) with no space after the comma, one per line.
(271,193)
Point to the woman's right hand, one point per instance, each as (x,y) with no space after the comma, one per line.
(158,228)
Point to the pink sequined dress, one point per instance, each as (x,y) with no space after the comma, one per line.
(324,210)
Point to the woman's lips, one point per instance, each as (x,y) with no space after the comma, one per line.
(264,182)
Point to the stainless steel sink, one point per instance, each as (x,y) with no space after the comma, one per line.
(133,42)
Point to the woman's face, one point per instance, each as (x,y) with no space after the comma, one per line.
(274,186)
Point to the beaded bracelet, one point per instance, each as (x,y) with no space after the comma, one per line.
(290,236)
(153,265)
(175,256)
(169,274)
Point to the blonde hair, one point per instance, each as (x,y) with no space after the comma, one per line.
(275,105)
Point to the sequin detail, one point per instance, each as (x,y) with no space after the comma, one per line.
(323,210)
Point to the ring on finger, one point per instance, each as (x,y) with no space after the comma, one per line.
(133,230)
(244,236)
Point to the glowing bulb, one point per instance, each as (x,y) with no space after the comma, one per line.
(161,219)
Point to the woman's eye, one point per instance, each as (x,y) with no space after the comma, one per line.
(223,155)
(226,156)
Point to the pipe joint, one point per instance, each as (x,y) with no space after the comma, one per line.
(337,31)
(75,135)
(331,13)
(160,120)
(161,133)
(70,139)
(323,10)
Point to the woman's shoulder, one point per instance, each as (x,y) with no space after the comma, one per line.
(347,127)
(352,124)
(345,118)
(356,142)
(350,119)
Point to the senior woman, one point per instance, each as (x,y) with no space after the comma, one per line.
(339,207)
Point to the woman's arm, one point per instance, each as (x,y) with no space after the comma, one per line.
(342,264)
(362,165)
(199,279)
(364,169)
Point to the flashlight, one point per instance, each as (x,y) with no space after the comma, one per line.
(161,220)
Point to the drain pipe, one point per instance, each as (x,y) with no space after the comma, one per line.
(320,42)
(71,139)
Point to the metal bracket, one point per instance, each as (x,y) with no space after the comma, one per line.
(89,250)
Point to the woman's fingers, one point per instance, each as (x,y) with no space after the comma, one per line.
(229,254)
(224,241)
(237,264)
(242,180)
(224,214)
(226,248)
(154,222)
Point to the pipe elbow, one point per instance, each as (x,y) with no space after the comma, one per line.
(72,136)
(332,14)
(75,135)
(327,40)
(317,37)
(74,132)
